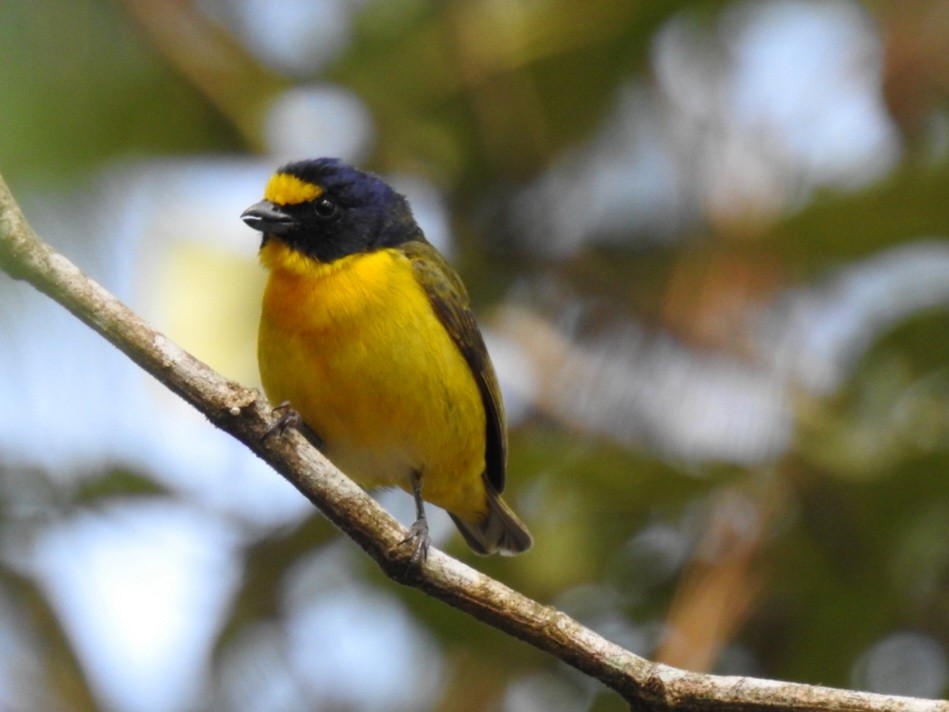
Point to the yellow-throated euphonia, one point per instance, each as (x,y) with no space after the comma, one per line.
(367,333)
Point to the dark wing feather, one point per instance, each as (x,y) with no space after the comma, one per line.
(450,302)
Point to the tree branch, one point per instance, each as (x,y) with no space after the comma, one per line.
(246,415)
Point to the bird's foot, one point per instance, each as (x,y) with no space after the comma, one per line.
(289,418)
(421,541)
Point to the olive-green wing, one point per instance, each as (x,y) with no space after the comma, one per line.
(450,302)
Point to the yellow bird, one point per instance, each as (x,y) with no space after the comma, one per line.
(367,333)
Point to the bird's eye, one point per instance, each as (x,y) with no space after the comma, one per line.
(325,208)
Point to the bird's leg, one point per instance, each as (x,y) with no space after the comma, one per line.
(418,532)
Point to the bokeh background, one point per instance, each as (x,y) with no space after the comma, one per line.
(707,242)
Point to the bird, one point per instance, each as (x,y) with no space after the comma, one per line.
(367,336)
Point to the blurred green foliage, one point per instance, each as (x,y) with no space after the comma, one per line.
(850,532)
(81,88)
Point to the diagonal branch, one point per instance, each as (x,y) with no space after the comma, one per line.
(246,415)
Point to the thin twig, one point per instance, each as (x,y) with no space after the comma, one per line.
(246,415)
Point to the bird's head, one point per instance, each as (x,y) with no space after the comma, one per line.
(326,209)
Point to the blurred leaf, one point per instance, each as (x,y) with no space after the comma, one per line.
(266,563)
(489,91)
(909,205)
(117,483)
(80,89)
(64,685)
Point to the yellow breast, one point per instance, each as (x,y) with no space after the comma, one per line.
(356,348)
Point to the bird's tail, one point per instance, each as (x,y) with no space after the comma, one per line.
(500,530)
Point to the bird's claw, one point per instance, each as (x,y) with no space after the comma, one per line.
(289,418)
(421,541)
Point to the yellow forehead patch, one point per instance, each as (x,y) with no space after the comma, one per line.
(285,189)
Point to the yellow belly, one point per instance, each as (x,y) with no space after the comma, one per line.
(357,350)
